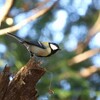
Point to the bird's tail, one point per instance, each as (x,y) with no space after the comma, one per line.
(16,37)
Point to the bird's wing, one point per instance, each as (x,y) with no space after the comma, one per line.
(36,43)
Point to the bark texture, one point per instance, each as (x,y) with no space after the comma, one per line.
(22,87)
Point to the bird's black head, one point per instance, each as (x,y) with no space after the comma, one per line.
(54,47)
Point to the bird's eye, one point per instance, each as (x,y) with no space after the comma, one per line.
(54,47)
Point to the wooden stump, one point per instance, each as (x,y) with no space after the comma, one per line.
(22,87)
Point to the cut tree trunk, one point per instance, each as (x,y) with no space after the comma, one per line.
(22,87)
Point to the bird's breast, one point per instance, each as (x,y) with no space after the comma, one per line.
(40,51)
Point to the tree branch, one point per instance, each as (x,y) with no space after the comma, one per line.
(81,57)
(92,32)
(5,9)
(86,72)
(37,12)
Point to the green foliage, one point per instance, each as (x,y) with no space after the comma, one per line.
(56,65)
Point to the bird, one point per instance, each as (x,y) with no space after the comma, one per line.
(37,48)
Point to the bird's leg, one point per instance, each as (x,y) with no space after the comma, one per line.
(37,59)
(34,56)
(31,54)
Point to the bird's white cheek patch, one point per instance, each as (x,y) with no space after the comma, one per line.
(54,47)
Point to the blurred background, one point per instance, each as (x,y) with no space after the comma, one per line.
(72,73)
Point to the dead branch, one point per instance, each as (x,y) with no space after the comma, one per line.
(22,87)
(37,12)
(5,9)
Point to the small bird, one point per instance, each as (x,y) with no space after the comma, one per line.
(40,49)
